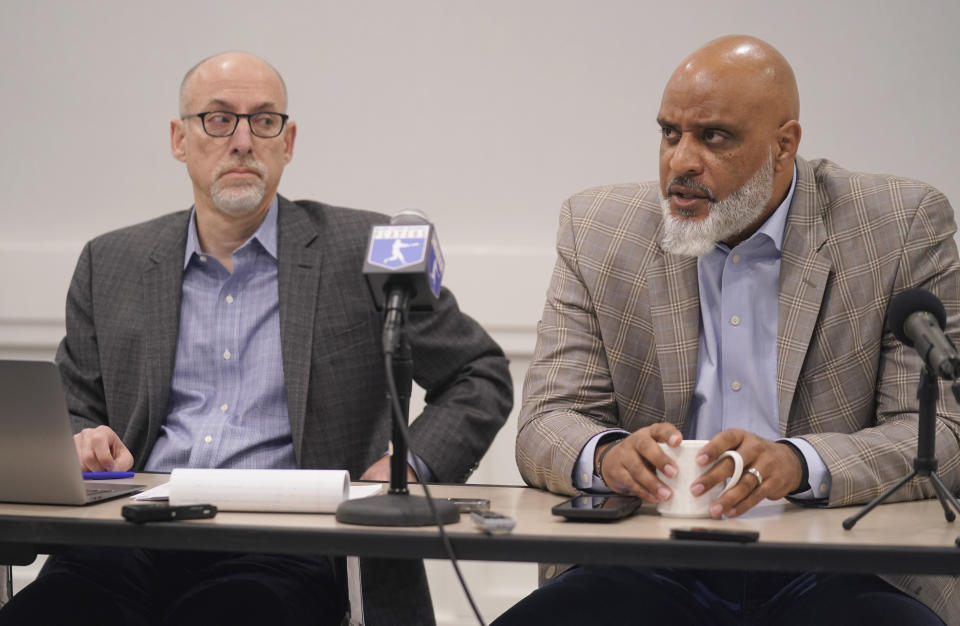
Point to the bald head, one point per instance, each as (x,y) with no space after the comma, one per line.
(235,174)
(730,134)
(227,66)
(748,71)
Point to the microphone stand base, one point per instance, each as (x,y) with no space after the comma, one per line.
(925,463)
(943,494)
(396,510)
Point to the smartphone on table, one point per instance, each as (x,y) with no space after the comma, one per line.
(604,507)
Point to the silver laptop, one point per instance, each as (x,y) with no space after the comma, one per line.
(38,460)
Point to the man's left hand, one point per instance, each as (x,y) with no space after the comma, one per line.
(381,471)
(778,466)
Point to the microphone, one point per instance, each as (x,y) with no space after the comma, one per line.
(403,268)
(917,318)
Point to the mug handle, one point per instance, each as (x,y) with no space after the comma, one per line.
(737,468)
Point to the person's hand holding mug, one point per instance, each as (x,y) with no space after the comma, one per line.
(690,497)
(639,465)
(630,465)
(771,470)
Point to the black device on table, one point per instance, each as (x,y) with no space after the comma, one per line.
(597,507)
(715,534)
(493,523)
(470,505)
(163,512)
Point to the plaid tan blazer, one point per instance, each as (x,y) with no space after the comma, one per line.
(617,343)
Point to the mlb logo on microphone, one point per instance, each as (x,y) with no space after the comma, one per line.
(396,247)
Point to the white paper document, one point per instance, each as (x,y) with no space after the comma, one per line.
(157,494)
(303,491)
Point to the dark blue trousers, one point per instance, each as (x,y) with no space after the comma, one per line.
(134,587)
(623,595)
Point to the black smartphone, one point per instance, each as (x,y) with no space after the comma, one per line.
(598,507)
(163,512)
(470,505)
(714,534)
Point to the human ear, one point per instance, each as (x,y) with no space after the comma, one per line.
(788,141)
(290,134)
(177,137)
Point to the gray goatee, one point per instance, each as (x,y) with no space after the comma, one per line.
(726,218)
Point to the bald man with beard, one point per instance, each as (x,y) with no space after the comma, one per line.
(741,301)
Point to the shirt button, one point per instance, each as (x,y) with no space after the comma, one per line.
(823,488)
(735,385)
(223,408)
(735,258)
(207,439)
(203,259)
(735,320)
(229,299)
(226,355)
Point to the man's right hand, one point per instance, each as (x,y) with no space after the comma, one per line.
(100,450)
(631,467)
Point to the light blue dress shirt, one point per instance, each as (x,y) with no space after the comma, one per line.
(228,403)
(736,385)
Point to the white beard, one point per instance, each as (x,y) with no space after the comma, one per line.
(238,199)
(726,218)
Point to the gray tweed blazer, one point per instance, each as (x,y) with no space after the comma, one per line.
(117,358)
(617,344)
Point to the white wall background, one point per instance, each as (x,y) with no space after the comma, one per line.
(484,114)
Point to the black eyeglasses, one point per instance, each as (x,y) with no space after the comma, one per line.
(265,125)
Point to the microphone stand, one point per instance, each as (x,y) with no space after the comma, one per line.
(925,463)
(397,507)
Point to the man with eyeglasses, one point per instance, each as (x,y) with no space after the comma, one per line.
(241,334)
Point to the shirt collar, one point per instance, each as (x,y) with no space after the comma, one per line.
(266,234)
(777,222)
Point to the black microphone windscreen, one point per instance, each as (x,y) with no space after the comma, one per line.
(911,301)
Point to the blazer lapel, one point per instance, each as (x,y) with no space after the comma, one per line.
(162,289)
(675,310)
(299,262)
(803,279)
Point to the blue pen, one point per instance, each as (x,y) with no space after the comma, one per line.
(106,475)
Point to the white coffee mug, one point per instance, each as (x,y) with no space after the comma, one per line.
(683,503)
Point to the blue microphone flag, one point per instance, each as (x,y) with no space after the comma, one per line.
(408,255)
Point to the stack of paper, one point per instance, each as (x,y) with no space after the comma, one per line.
(306,491)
